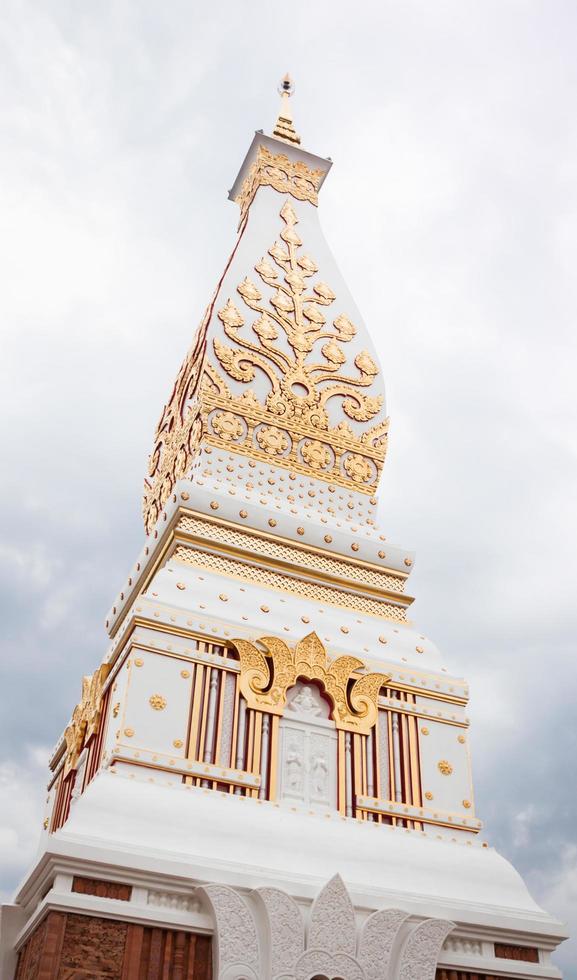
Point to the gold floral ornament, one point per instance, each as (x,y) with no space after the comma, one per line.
(445,767)
(178,432)
(228,426)
(157,702)
(286,176)
(86,716)
(299,347)
(359,468)
(272,441)
(266,675)
(316,454)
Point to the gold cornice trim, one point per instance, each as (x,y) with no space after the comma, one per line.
(297,545)
(426,693)
(404,811)
(184,766)
(233,666)
(245,549)
(339,598)
(283,175)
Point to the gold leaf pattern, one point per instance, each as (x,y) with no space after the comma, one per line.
(291,320)
(266,677)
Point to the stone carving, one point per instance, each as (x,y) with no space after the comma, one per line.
(319,775)
(287,934)
(332,923)
(227,719)
(294,770)
(305,702)
(376,943)
(238,948)
(308,762)
(459,944)
(173,900)
(422,948)
(331,950)
(337,966)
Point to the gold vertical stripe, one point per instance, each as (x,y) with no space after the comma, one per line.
(204,715)
(222,676)
(342,785)
(377,754)
(392,785)
(249,743)
(194,716)
(273,755)
(358,773)
(234,740)
(392,778)
(414,756)
(407,796)
(257,746)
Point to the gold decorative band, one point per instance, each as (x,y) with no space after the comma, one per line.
(288,584)
(284,175)
(273,548)
(265,678)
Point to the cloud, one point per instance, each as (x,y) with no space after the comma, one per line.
(22,787)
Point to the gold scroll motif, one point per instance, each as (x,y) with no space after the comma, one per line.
(177,433)
(292,427)
(265,678)
(85,720)
(284,175)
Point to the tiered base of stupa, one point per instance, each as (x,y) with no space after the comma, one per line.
(159,881)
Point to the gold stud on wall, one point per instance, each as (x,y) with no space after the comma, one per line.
(157,702)
(445,767)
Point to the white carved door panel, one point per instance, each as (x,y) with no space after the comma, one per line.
(308,751)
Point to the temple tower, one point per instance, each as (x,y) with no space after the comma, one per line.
(268,776)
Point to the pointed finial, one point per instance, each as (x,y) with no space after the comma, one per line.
(284,128)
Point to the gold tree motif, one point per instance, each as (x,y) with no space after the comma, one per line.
(288,327)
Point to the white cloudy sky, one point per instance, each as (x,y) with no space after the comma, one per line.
(452,209)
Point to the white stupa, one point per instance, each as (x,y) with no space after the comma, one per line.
(269,776)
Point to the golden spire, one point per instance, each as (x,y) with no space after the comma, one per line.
(284,128)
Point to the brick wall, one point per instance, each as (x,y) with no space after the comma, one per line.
(68,946)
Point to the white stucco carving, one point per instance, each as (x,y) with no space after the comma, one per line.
(237,946)
(422,949)
(337,966)
(308,751)
(286,930)
(378,936)
(460,944)
(277,949)
(172,900)
(332,924)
